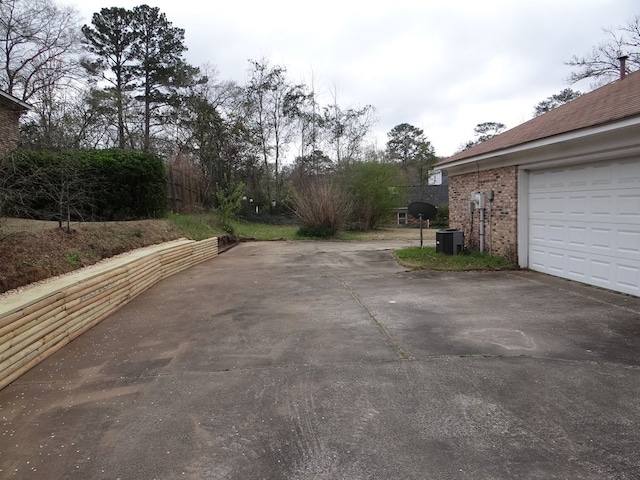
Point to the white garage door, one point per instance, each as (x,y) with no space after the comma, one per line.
(584,223)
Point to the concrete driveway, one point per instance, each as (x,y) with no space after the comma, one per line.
(326,360)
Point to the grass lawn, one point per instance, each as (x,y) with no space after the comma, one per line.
(427,259)
(196,226)
(263,231)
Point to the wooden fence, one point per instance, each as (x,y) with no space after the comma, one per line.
(185,190)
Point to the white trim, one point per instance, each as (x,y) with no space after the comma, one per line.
(14,100)
(594,156)
(523,218)
(526,148)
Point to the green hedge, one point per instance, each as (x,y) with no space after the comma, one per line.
(98,185)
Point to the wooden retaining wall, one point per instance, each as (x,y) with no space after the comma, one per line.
(37,322)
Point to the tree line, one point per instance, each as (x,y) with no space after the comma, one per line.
(122,81)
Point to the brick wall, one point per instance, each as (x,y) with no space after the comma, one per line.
(504,233)
(9,130)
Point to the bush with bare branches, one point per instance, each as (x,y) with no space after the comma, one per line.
(323,206)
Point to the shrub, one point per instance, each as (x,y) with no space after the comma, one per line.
(229,205)
(318,231)
(84,185)
(373,187)
(134,184)
(322,206)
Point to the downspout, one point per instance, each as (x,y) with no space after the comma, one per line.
(481,229)
(490,196)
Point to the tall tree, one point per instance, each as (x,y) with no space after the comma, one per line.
(302,108)
(139,53)
(602,64)
(347,130)
(406,142)
(484,131)
(409,146)
(554,101)
(161,69)
(216,143)
(267,94)
(110,38)
(38,46)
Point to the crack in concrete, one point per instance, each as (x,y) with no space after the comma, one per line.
(402,354)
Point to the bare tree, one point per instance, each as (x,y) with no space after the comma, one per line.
(347,129)
(602,64)
(57,191)
(267,94)
(38,42)
(209,134)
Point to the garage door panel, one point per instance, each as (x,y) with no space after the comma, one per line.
(577,205)
(604,206)
(577,267)
(629,174)
(598,271)
(601,175)
(582,239)
(586,179)
(584,224)
(629,241)
(601,240)
(629,207)
(537,206)
(600,207)
(629,277)
(576,178)
(556,261)
(578,236)
(556,205)
(537,258)
(557,234)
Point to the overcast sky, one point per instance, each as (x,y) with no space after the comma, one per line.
(443,66)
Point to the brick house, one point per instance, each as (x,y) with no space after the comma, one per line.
(566,189)
(10,110)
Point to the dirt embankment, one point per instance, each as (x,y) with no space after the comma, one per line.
(32,251)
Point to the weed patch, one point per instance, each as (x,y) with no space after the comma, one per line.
(74,259)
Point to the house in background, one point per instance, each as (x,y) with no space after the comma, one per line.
(11,108)
(436,192)
(561,191)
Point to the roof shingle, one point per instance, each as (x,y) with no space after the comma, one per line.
(615,101)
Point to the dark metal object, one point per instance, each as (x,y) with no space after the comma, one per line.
(422,210)
(449,241)
(426,210)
